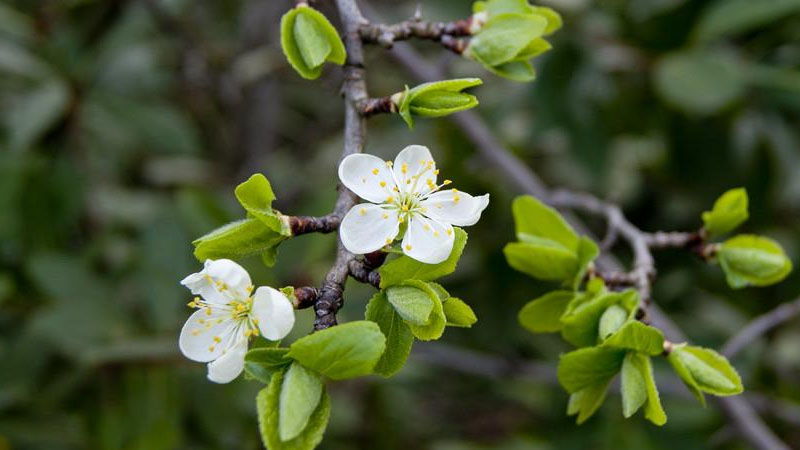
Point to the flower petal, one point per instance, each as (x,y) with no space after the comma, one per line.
(413,167)
(197,340)
(368,227)
(274,313)
(228,366)
(219,282)
(455,207)
(428,241)
(367,176)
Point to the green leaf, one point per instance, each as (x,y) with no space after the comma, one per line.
(633,386)
(311,41)
(728,17)
(581,324)
(236,240)
(521,71)
(262,363)
(535,48)
(344,351)
(730,211)
(256,197)
(398,335)
(308,40)
(699,83)
(685,375)
(436,98)
(637,336)
(534,218)
(587,252)
(411,303)
(544,259)
(434,328)
(543,314)
(504,36)
(268,405)
(750,260)
(611,321)
(653,411)
(585,402)
(495,7)
(458,314)
(301,391)
(404,268)
(554,20)
(586,367)
(708,370)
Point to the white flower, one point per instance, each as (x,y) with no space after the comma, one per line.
(404,193)
(227,315)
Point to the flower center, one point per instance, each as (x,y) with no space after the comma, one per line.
(237,309)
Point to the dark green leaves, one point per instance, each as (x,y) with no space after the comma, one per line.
(260,233)
(548,248)
(270,415)
(750,260)
(344,351)
(704,370)
(730,211)
(309,40)
(404,268)
(436,99)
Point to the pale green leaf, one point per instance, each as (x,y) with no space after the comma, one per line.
(308,40)
(611,321)
(434,328)
(653,411)
(729,211)
(521,71)
(291,50)
(301,391)
(581,324)
(256,197)
(750,260)
(262,363)
(589,366)
(710,371)
(633,387)
(411,303)
(268,406)
(311,42)
(398,335)
(504,36)
(343,351)
(585,402)
(637,336)
(458,314)
(587,252)
(543,314)
(236,240)
(685,375)
(545,260)
(534,218)
(405,268)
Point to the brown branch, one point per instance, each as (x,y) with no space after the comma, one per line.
(444,32)
(305,297)
(310,224)
(760,325)
(361,272)
(355,91)
(374,106)
(738,410)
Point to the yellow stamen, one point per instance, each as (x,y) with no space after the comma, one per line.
(375,171)
(217,339)
(385,216)
(436,172)
(427,227)
(389,199)
(449,232)
(383,184)
(362,211)
(404,168)
(447,181)
(408,246)
(211,349)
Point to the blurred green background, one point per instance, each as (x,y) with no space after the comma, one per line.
(126,125)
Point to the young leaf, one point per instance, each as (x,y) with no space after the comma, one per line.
(436,99)
(652,408)
(261,363)
(585,402)
(685,375)
(587,252)
(589,366)
(301,391)
(541,258)
(411,303)
(753,260)
(308,40)
(344,351)
(581,325)
(458,314)
(236,240)
(434,328)
(398,335)
(710,372)
(532,217)
(637,336)
(404,268)
(504,36)
(543,315)
(268,406)
(611,321)
(256,197)
(521,71)
(730,211)
(633,386)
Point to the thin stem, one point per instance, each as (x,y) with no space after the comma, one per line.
(761,325)
(310,224)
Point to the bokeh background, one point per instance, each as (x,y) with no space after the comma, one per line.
(126,125)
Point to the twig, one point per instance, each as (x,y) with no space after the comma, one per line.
(761,325)
(310,224)
(736,409)
(374,106)
(444,32)
(355,91)
(305,297)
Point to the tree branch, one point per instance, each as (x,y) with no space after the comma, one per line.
(760,325)
(446,33)
(310,224)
